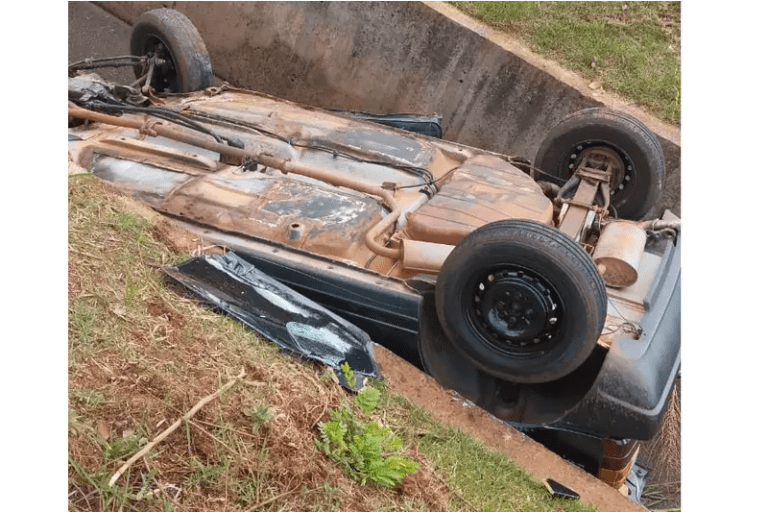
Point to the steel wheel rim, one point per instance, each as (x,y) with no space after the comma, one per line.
(514,311)
(606,157)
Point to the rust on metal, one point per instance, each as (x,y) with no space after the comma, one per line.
(268,189)
(579,212)
(483,190)
(617,460)
(424,256)
(140,151)
(618,253)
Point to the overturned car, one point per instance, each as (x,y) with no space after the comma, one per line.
(537,290)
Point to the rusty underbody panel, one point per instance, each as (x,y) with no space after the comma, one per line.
(374,198)
(532,298)
(361,218)
(442,191)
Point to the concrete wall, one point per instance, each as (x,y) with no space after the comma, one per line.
(386,57)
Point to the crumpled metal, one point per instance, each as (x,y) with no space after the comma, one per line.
(278,312)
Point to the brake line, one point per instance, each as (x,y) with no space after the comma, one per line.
(286,166)
(419,172)
(163,113)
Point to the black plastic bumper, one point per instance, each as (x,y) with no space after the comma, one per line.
(632,390)
(624,398)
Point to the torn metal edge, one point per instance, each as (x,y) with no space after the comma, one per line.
(278,313)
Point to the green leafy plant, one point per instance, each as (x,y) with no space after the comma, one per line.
(349,375)
(368,399)
(367,451)
(120,447)
(260,415)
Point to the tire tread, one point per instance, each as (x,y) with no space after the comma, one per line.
(193,63)
(645,140)
(548,247)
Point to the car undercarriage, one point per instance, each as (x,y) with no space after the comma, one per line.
(544,292)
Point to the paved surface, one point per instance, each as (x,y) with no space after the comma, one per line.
(94,33)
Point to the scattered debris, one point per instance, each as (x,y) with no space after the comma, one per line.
(558,490)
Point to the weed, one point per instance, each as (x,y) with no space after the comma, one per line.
(76,425)
(132,291)
(89,396)
(330,498)
(83,320)
(204,474)
(260,415)
(120,447)
(365,449)
(133,226)
(110,497)
(246,489)
(146,482)
(349,375)
(368,399)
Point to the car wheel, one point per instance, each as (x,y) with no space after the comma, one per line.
(521,300)
(170,35)
(612,140)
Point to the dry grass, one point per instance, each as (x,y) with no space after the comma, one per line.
(142,354)
(662,455)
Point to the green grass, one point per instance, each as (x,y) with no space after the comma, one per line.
(630,48)
(490,481)
(141,355)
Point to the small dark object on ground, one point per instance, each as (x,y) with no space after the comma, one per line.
(558,490)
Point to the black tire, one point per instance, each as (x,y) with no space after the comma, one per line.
(176,39)
(636,186)
(522,301)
